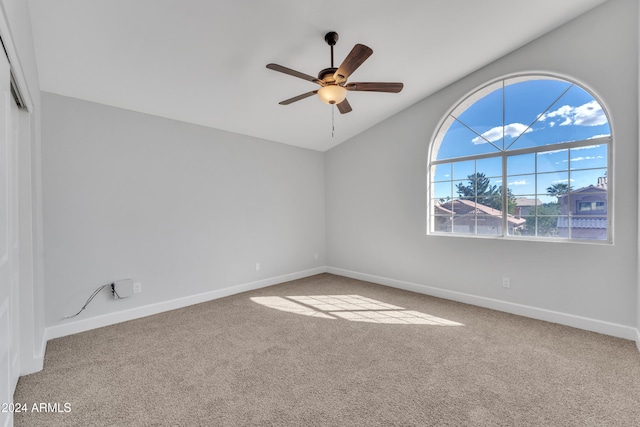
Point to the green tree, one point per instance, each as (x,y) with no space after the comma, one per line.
(546,220)
(479,186)
(559,189)
(511,201)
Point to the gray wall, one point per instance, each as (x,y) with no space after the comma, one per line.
(638,206)
(181,208)
(188,210)
(376,189)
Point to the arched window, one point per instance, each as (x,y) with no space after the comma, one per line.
(527,157)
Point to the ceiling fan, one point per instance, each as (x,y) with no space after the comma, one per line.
(333,81)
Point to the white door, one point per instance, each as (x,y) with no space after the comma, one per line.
(9,342)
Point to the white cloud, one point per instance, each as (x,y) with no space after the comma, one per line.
(494,134)
(589,114)
(587,147)
(579,159)
(552,151)
(599,136)
(519,182)
(563,111)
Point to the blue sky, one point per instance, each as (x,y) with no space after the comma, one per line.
(536,113)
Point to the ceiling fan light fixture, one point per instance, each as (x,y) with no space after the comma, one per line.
(333,81)
(332,94)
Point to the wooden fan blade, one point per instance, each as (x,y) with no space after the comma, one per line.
(375,87)
(356,57)
(294,73)
(298,98)
(344,107)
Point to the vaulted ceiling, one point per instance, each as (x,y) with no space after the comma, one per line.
(203,61)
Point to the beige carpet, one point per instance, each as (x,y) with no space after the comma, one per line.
(331,351)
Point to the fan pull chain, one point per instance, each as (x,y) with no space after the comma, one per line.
(333,124)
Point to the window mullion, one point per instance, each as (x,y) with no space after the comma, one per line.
(535,190)
(569,201)
(505,198)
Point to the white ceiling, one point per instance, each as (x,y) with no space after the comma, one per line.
(203,61)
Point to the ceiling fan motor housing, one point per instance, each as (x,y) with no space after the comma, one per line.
(326,75)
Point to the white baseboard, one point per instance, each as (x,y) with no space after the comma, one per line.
(148,310)
(35,363)
(594,325)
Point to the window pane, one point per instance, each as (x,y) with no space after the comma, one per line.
(588,204)
(521,164)
(594,156)
(528,229)
(442,172)
(580,114)
(460,141)
(442,190)
(552,226)
(463,225)
(463,206)
(588,227)
(463,189)
(525,100)
(491,167)
(485,117)
(554,183)
(581,179)
(442,223)
(526,206)
(477,185)
(548,209)
(587,207)
(551,161)
(522,185)
(488,224)
(462,170)
(574,117)
(490,205)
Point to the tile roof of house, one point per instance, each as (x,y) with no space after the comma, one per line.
(596,222)
(477,208)
(589,188)
(525,201)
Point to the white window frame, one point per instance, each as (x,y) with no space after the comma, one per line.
(467,101)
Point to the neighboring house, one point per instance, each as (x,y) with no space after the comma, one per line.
(526,206)
(585,211)
(466,216)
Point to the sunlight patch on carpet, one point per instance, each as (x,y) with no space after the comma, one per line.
(354,308)
(283,304)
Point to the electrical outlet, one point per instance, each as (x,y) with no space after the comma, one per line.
(137,288)
(122,288)
(506,282)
